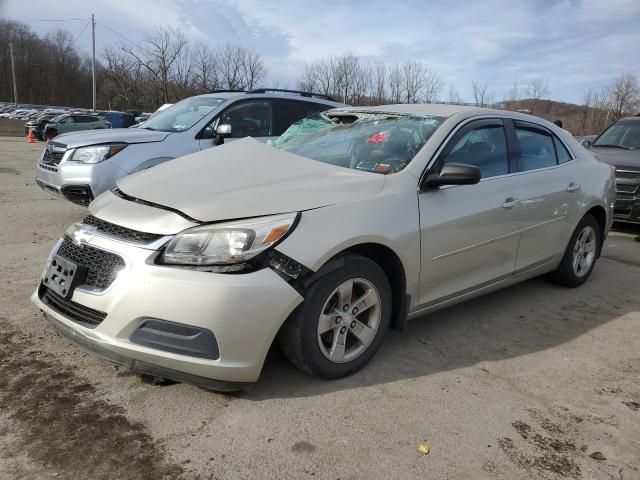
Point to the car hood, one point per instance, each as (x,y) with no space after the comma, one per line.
(247,178)
(617,156)
(117,135)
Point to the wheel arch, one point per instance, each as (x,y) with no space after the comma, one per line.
(393,268)
(600,214)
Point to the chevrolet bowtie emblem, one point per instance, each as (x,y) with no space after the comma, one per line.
(82,236)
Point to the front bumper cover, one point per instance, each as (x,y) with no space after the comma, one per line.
(142,367)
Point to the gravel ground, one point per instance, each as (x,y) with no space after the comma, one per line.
(534,381)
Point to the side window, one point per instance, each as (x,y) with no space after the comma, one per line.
(485,147)
(290,111)
(248,119)
(561,151)
(536,149)
(67,120)
(83,119)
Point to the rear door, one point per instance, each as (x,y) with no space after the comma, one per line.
(547,192)
(469,233)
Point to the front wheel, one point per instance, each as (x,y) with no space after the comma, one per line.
(342,321)
(581,254)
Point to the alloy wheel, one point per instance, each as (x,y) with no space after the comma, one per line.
(584,251)
(349,320)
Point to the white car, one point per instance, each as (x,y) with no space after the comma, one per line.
(354,221)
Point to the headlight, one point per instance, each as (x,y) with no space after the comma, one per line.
(97,153)
(228,243)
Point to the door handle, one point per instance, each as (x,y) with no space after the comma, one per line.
(573,187)
(510,202)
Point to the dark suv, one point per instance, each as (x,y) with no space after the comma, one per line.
(619,145)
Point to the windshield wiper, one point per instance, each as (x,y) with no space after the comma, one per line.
(610,145)
(149,128)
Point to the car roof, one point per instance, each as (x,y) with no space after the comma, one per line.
(275,94)
(435,109)
(629,119)
(461,112)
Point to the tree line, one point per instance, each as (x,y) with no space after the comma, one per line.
(165,67)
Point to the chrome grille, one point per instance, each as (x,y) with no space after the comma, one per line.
(102,266)
(121,232)
(53,153)
(628,175)
(626,188)
(70,309)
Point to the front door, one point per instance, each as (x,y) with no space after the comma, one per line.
(248,118)
(469,233)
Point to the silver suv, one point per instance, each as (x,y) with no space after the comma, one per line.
(80,166)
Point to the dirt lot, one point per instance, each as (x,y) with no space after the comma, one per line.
(534,381)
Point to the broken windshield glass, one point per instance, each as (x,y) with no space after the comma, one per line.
(369,141)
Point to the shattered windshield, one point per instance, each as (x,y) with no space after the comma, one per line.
(370,141)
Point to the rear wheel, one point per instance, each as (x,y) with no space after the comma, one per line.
(581,254)
(342,321)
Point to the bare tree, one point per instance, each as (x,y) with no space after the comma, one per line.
(536,90)
(362,82)
(204,68)
(395,80)
(182,72)
(379,72)
(345,71)
(514,94)
(431,86)
(253,69)
(413,77)
(454,95)
(624,95)
(239,68)
(481,95)
(157,54)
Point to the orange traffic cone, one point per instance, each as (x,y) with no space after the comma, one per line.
(31,138)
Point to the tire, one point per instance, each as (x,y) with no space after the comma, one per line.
(318,353)
(567,274)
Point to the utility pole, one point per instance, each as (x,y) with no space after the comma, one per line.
(13,74)
(93,60)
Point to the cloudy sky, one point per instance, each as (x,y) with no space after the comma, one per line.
(571,44)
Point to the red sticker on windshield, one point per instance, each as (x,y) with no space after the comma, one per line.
(378,138)
(382,168)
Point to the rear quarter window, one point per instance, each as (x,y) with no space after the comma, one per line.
(563,154)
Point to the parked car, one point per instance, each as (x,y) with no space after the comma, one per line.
(73,122)
(619,145)
(352,222)
(80,166)
(118,119)
(38,124)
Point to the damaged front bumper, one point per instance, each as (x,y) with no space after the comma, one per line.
(242,311)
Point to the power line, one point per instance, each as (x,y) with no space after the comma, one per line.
(118,34)
(81,32)
(52,20)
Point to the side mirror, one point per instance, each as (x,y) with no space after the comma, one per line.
(453,174)
(586,143)
(223,131)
